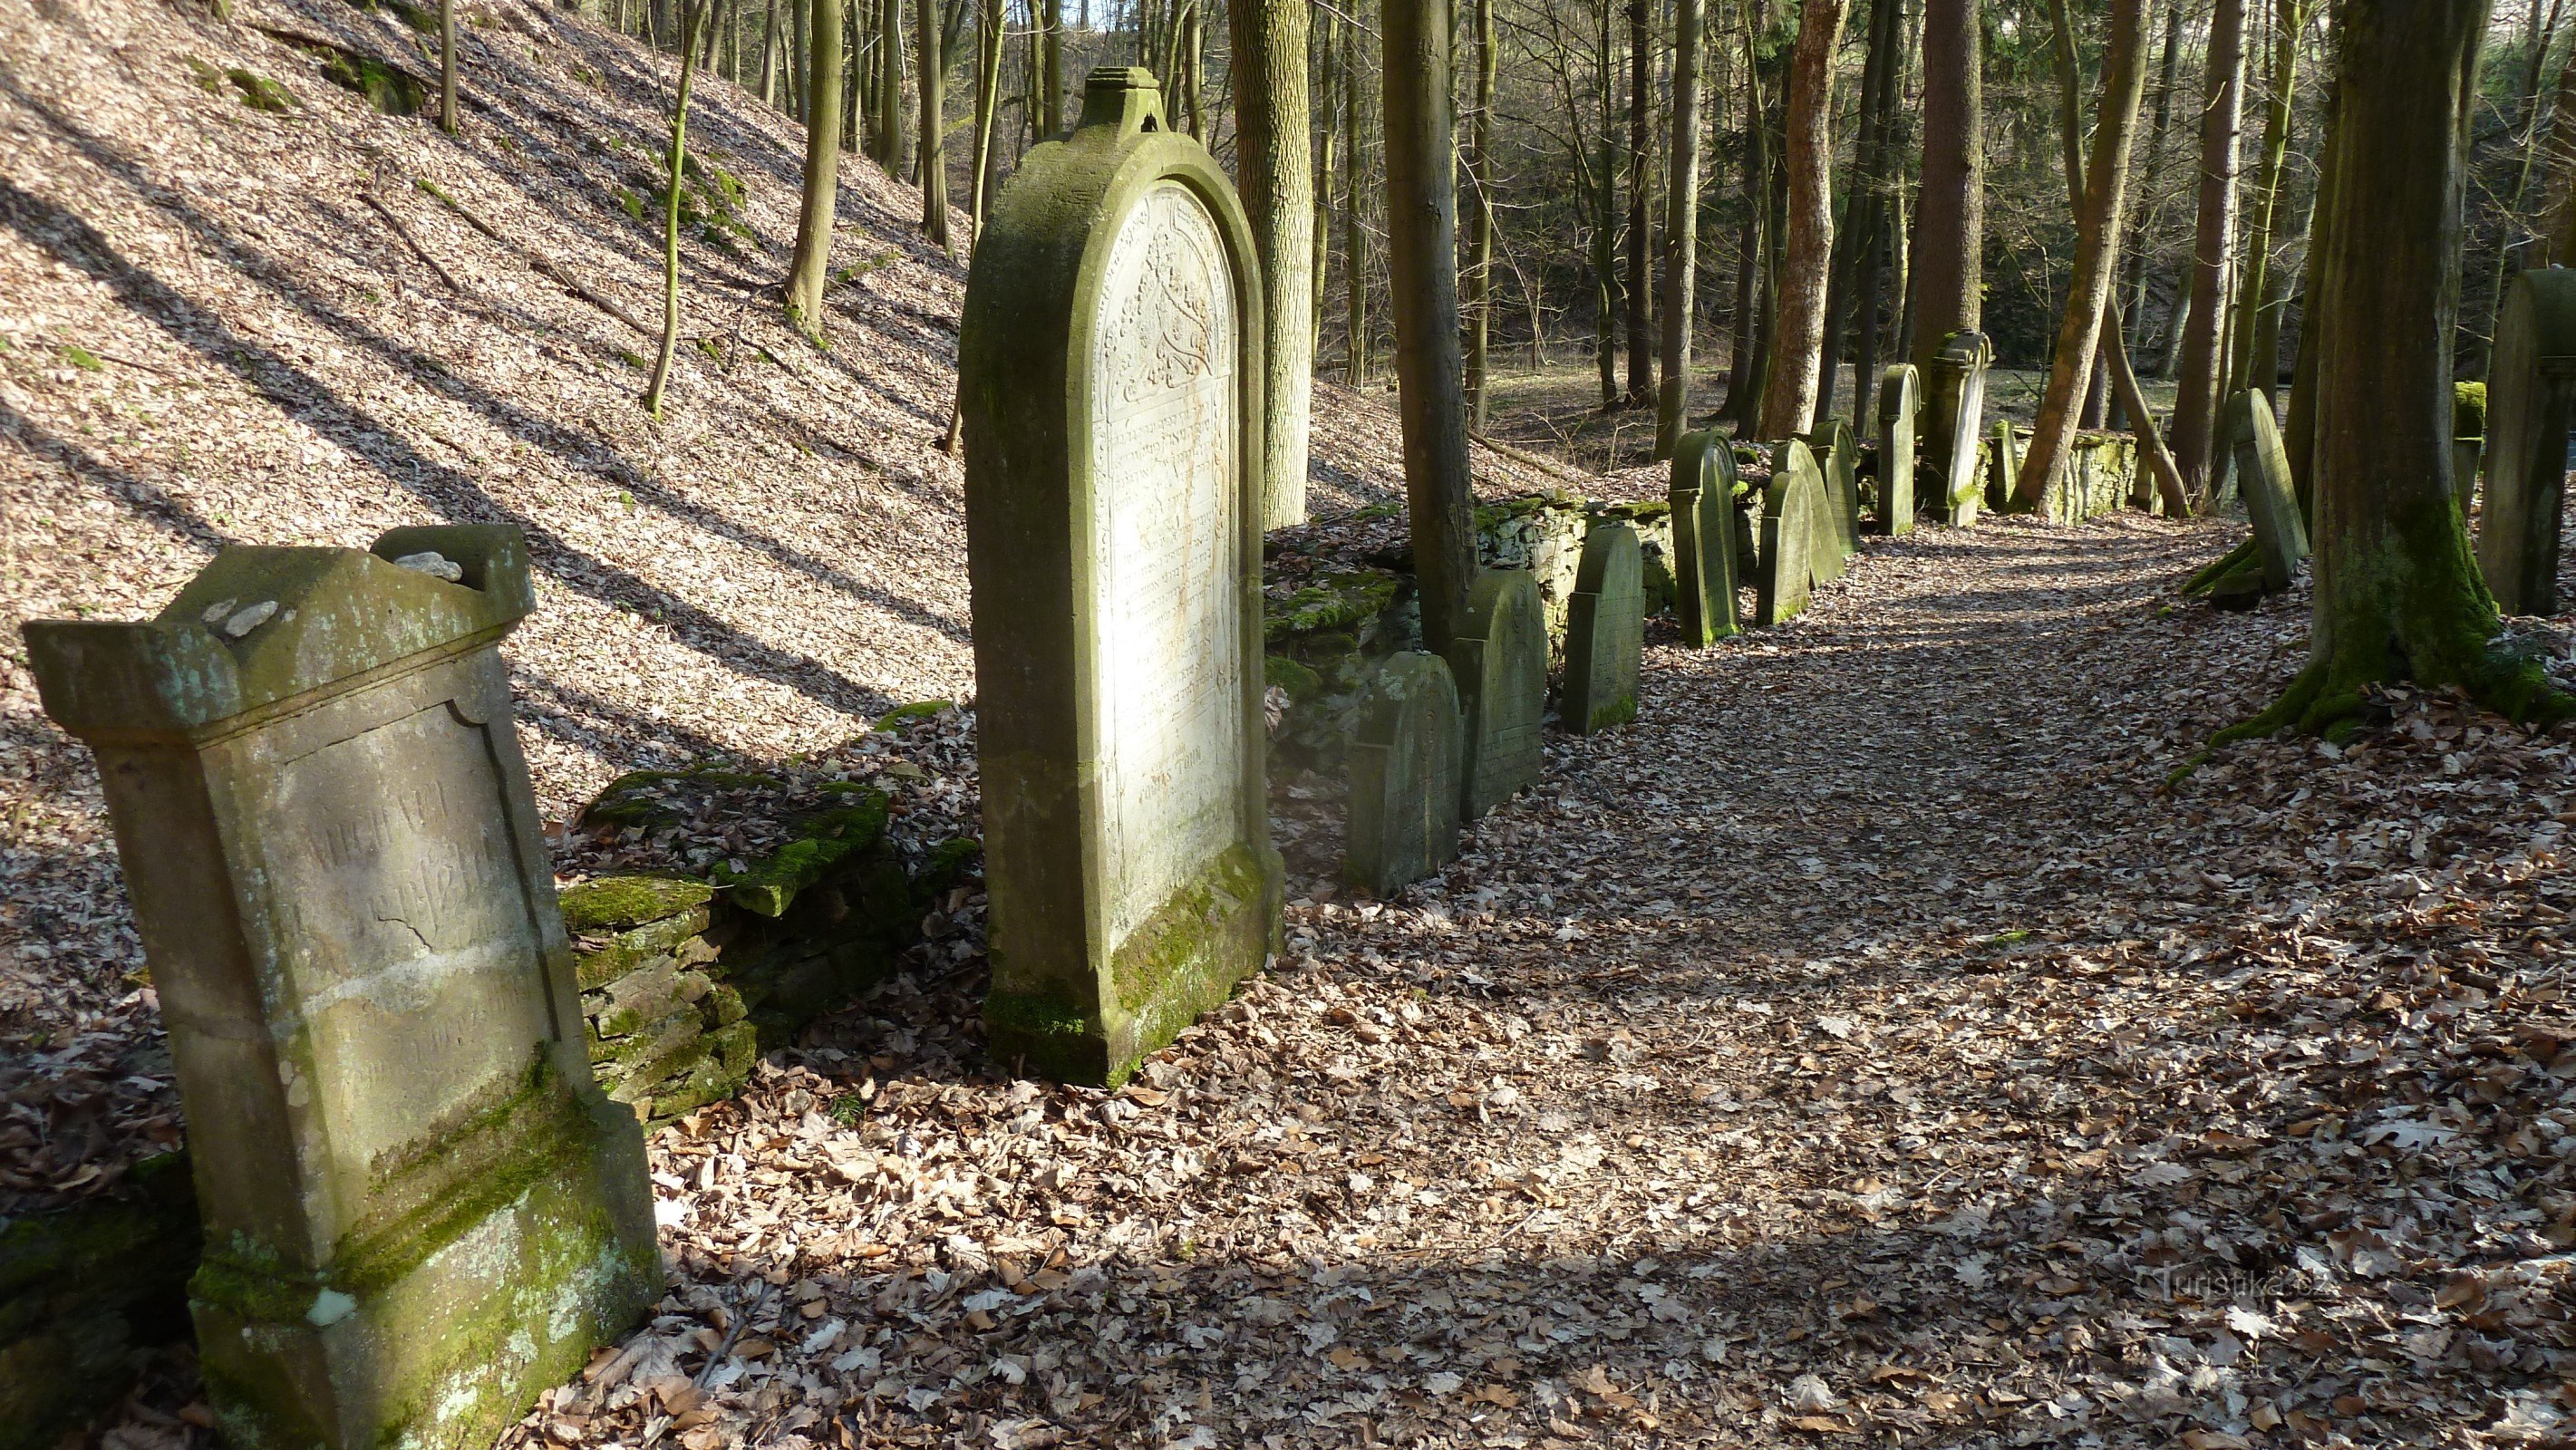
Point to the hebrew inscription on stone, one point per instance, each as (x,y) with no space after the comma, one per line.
(1167,660)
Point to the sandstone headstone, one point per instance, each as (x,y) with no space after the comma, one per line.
(2263,471)
(2003,465)
(1825,557)
(1403,822)
(1896,409)
(419,1210)
(1837,455)
(1792,520)
(1111,387)
(1954,415)
(1499,659)
(2531,402)
(1605,632)
(1704,545)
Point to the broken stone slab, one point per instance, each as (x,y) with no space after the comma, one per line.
(1499,659)
(2263,472)
(1954,409)
(1405,775)
(1793,515)
(419,1209)
(2531,403)
(1110,394)
(1702,492)
(1605,633)
(2003,465)
(1897,404)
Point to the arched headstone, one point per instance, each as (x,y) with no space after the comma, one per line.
(1825,557)
(1111,381)
(1703,499)
(1837,456)
(1403,822)
(1954,414)
(1793,529)
(1499,659)
(420,1211)
(1896,408)
(2263,469)
(2531,402)
(1604,631)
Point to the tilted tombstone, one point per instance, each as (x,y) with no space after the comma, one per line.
(1792,519)
(1837,456)
(1896,407)
(1703,499)
(1605,631)
(419,1209)
(1403,822)
(2531,401)
(1110,362)
(2263,471)
(1825,557)
(1499,659)
(1954,409)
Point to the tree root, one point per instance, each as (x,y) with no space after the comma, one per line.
(2219,568)
(2329,702)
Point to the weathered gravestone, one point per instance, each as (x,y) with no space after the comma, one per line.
(1825,557)
(2531,401)
(1837,456)
(419,1210)
(1605,631)
(1793,529)
(2003,465)
(1703,500)
(1954,412)
(1403,822)
(1112,396)
(1499,659)
(1896,407)
(2263,471)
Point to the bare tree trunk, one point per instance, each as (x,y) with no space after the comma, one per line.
(1053,95)
(1360,341)
(1753,247)
(693,14)
(809,268)
(2255,283)
(1641,90)
(1605,229)
(1480,228)
(2398,595)
(1331,91)
(447,66)
(1789,395)
(1271,119)
(1950,217)
(1422,237)
(1681,231)
(1855,277)
(988,101)
(934,105)
(2558,218)
(2196,399)
(2099,208)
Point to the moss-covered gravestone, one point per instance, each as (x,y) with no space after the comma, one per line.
(1111,382)
(1837,455)
(1499,659)
(1703,501)
(1954,411)
(419,1210)
(2531,402)
(1896,406)
(2003,465)
(2468,438)
(2263,468)
(1405,774)
(1793,522)
(1605,631)
(1825,557)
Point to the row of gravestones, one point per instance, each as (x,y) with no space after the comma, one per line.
(418,1207)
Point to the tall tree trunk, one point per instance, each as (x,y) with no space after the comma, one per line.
(934,104)
(2558,216)
(447,66)
(1856,241)
(2398,595)
(769,57)
(1359,342)
(693,16)
(2250,368)
(1681,232)
(1053,95)
(988,101)
(2536,37)
(1271,121)
(1606,295)
(1753,249)
(1480,227)
(2196,399)
(1422,247)
(1789,395)
(1330,93)
(2099,207)
(1641,93)
(809,267)
(890,90)
(1950,212)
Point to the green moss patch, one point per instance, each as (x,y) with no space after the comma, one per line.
(903,715)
